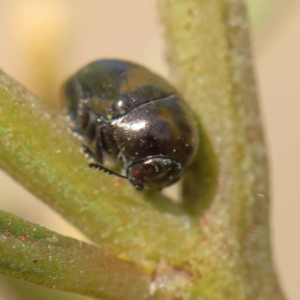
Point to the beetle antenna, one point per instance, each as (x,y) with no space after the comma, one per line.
(101,168)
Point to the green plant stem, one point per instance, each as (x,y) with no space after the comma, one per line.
(220,249)
(33,253)
(24,290)
(37,150)
(209,53)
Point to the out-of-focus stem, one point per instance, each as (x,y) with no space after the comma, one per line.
(209,54)
(33,253)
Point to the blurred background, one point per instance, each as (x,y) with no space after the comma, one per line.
(43,42)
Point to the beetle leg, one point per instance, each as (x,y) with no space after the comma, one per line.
(108,141)
(98,154)
(99,146)
(87,151)
(121,159)
(90,132)
(93,132)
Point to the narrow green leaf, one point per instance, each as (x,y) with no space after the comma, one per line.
(24,290)
(33,253)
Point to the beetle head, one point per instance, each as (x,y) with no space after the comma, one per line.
(154,173)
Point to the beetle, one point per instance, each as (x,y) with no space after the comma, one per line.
(126,111)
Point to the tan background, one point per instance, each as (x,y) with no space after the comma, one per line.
(43,42)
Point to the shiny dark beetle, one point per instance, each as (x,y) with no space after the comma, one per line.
(135,116)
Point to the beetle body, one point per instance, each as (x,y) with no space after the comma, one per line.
(135,116)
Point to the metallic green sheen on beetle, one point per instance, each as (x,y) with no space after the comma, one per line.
(126,111)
